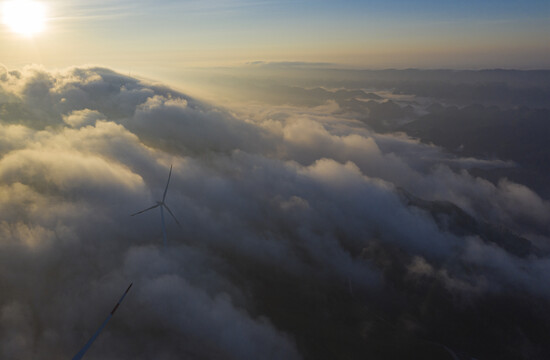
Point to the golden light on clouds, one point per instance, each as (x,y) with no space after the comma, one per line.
(24,17)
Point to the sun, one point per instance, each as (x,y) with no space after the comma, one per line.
(24,17)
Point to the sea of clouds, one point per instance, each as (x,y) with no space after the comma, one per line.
(300,192)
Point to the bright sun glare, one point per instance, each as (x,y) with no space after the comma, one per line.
(24,17)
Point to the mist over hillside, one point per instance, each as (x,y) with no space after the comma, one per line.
(486,114)
(325,214)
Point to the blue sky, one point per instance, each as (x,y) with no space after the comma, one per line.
(372,34)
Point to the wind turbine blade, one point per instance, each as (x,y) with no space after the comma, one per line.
(171,213)
(167,183)
(149,208)
(83,351)
(163,226)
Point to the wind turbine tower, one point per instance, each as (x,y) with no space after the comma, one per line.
(162,205)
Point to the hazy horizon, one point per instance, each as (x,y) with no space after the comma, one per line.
(379,34)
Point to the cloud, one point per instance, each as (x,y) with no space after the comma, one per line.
(187,126)
(224,330)
(292,220)
(84,117)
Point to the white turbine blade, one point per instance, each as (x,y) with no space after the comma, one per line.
(171,213)
(83,351)
(149,208)
(167,183)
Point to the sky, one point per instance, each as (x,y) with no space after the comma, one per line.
(158,37)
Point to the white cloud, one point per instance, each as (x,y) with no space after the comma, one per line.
(261,199)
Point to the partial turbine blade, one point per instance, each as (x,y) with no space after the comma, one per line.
(171,213)
(167,183)
(149,208)
(83,351)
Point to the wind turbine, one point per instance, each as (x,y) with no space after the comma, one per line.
(162,205)
(83,351)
